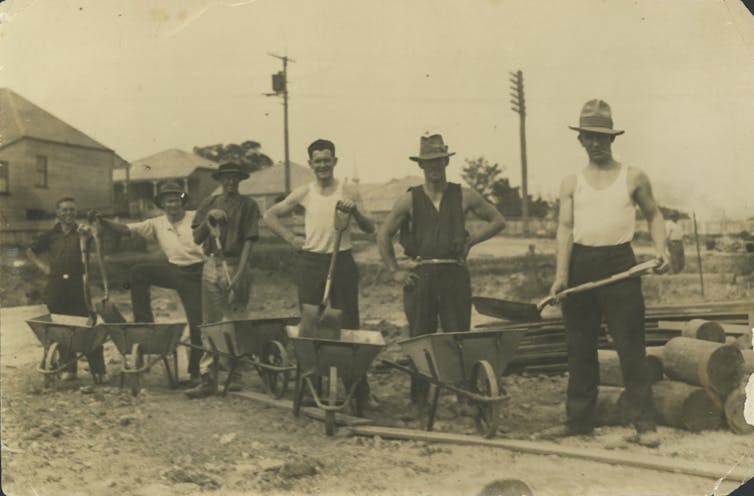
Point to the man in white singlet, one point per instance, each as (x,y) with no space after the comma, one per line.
(596,227)
(319,199)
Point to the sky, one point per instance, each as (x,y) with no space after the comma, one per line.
(145,76)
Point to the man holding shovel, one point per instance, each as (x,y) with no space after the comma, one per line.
(182,271)
(319,200)
(225,225)
(596,226)
(431,218)
(65,268)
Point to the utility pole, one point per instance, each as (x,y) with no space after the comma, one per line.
(280,87)
(518,105)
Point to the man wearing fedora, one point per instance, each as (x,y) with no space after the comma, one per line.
(225,226)
(431,219)
(595,230)
(182,271)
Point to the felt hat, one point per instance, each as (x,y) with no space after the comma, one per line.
(596,117)
(230,168)
(170,188)
(431,147)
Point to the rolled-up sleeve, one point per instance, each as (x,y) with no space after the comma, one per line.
(41,243)
(145,228)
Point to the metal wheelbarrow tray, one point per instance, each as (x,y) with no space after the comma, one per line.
(260,341)
(346,359)
(467,363)
(64,332)
(141,339)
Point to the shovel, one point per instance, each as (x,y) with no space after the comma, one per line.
(85,280)
(530,312)
(105,308)
(323,321)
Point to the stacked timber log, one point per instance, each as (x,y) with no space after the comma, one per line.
(543,349)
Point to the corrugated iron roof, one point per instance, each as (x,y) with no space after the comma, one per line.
(20,118)
(167,164)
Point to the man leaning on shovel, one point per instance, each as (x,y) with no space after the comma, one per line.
(431,218)
(596,226)
(225,225)
(65,267)
(319,200)
(182,271)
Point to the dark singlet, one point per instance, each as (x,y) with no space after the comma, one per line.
(432,234)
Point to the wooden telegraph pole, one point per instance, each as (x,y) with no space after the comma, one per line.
(698,254)
(280,87)
(519,106)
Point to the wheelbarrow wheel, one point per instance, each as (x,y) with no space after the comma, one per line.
(51,361)
(332,398)
(484,383)
(138,360)
(277,382)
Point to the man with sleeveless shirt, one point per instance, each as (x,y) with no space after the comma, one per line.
(431,218)
(595,230)
(318,200)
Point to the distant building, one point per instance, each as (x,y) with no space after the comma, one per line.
(135,187)
(42,159)
(267,186)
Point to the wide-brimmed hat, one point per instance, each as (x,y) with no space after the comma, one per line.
(596,117)
(431,147)
(230,168)
(170,188)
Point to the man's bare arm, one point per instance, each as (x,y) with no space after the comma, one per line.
(644,197)
(41,264)
(364,221)
(272,216)
(564,236)
(401,211)
(485,211)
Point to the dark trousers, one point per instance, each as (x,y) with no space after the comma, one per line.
(677,256)
(311,277)
(187,281)
(66,296)
(621,305)
(441,295)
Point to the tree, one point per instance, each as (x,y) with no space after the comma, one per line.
(485,178)
(248,154)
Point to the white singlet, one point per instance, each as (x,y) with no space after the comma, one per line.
(319,220)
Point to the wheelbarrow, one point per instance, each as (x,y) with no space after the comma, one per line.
(259,341)
(70,333)
(346,359)
(466,363)
(137,341)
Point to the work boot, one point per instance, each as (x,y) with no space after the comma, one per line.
(206,388)
(190,383)
(236,382)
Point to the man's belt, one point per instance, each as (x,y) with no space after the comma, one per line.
(65,276)
(418,261)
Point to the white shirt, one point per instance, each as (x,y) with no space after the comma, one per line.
(603,217)
(674,231)
(319,220)
(175,240)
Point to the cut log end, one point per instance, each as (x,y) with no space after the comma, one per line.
(726,365)
(687,407)
(734,412)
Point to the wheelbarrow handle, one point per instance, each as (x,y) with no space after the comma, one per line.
(635,271)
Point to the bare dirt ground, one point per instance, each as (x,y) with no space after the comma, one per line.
(85,439)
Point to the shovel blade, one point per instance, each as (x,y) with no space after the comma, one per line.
(318,322)
(504,309)
(109,312)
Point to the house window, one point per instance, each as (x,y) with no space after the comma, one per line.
(4,178)
(41,171)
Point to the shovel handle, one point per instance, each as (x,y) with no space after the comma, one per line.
(635,271)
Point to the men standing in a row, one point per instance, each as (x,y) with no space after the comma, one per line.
(225,225)
(431,218)
(319,200)
(596,227)
(182,271)
(64,268)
